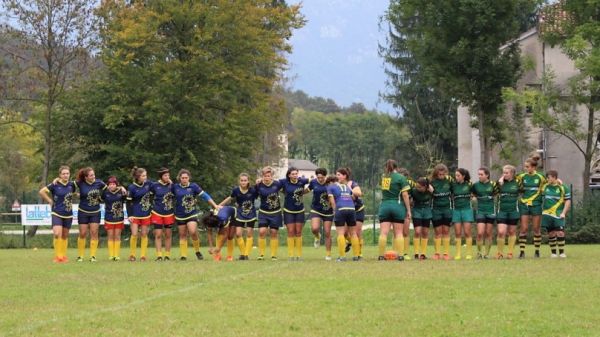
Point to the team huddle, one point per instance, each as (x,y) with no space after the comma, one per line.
(439,200)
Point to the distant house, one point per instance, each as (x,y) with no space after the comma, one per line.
(305,167)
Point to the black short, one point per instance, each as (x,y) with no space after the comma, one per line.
(163,226)
(510,222)
(345,218)
(421,222)
(185,222)
(360,216)
(243,224)
(88,218)
(442,222)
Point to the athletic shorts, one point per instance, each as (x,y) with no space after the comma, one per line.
(422,213)
(166,220)
(321,216)
(111,226)
(290,218)
(553,224)
(88,218)
(63,222)
(360,215)
(462,215)
(273,221)
(391,211)
(244,223)
(417,222)
(441,217)
(345,217)
(509,218)
(484,217)
(142,222)
(530,210)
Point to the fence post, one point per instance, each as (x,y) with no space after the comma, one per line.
(374,216)
(572,211)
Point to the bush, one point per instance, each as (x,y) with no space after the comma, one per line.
(586,222)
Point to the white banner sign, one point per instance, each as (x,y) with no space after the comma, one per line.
(41,215)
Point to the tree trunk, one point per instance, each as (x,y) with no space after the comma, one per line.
(483,142)
(590,148)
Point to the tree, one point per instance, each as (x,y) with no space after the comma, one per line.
(186,84)
(46,53)
(464,48)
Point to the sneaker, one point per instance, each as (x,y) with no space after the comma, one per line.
(131,258)
(291,259)
(340,259)
(327,258)
(317,243)
(446,257)
(57,259)
(381,258)
(166,258)
(117,258)
(348,246)
(260,258)
(93,259)
(79,259)
(111,258)
(423,257)
(536,254)
(521,255)
(562,255)
(229,259)
(479,256)
(509,256)
(242,257)
(298,259)
(183,258)
(486,257)
(436,256)
(199,256)
(159,259)
(416,256)
(468,257)
(553,256)
(64,259)
(273,258)
(216,257)
(143,259)
(401,258)
(499,256)
(356,258)
(406,257)
(457,257)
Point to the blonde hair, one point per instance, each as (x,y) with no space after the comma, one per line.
(266,169)
(437,169)
(511,168)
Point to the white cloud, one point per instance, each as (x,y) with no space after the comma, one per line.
(354,59)
(330,32)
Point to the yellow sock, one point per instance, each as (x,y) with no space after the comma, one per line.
(446,242)
(469,242)
(80,246)
(167,254)
(355,246)
(57,243)
(230,247)
(406,243)
(196,244)
(111,248)
(143,246)
(488,247)
(511,243)
(341,242)
(382,244)
(479,246)
(241,245)
(399,243)
(117,249)
(458,244)
(274,247)
(159,253)
(65,246)
(500,244)
(416,245)
(362,243)
(93,247)
(133,245)
(438,245)
(183,250)
(424,246)
(220,238)
(290,246)
(249,242)
(262,246)
(298,244)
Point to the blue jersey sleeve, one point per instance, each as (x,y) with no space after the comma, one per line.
(50,188)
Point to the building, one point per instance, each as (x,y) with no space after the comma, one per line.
(556,152)
(305,167)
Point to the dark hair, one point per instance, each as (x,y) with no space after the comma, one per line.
(210,220)
(321,171)
(485,170)
(438,168)
(184,171)
(290,170)
(464,173)
(331,179)
(111,180)
(390,166)
(137,172)
(349,172)
(404,171)
(83,173)
(532,162)
(552,173)
(161,172)
(62,168)
(423,181)
(244,174)
(344,171)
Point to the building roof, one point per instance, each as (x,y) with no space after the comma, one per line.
(302,164)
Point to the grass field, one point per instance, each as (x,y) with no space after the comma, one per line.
(545,297)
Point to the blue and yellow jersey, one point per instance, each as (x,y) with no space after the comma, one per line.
(342,194)
(113,206)
(294,194)
(359,204)
(140,198)
(244,201)
(185,200)
(269,197)
(90,195)
(226,215)
(164,201)
(62,198)
(320,204)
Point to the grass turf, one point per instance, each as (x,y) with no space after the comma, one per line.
(544,297)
